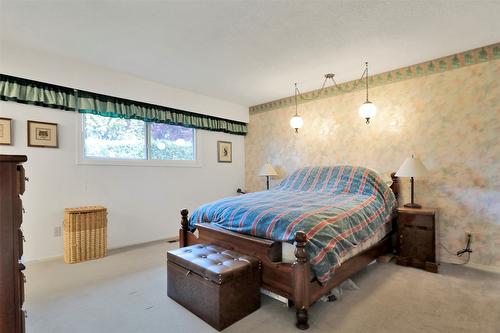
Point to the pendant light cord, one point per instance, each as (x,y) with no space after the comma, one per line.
(332,77)
(366,78)
(296,107)
(327,76)
(363,76)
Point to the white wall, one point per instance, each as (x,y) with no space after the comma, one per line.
(143,202)
(37,65)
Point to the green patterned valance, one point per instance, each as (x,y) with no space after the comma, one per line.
(37,93)
(122,108)
(48,95)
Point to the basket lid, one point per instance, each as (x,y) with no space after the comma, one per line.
(85,209)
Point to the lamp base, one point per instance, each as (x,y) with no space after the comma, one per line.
(412,205)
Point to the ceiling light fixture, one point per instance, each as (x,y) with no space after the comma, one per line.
(367,110)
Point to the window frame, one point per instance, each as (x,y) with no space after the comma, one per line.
(82,160)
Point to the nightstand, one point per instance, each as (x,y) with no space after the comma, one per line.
(417,238)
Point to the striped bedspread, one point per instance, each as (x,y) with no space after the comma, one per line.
(337,207)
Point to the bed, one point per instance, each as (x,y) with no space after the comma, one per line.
(339,219)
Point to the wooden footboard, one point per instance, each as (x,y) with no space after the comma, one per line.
(276,276)
(293,281)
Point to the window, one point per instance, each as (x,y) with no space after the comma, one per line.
(106,138)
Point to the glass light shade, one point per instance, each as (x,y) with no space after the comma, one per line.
(367,110)
(296,122)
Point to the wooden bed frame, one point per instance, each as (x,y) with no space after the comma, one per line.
(290,280)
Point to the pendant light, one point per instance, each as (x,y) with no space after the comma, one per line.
(367,110)
(296,122)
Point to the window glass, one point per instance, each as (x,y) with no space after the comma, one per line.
(127,139)
(169,142)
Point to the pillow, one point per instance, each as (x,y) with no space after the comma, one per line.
(339,178)
(386,177)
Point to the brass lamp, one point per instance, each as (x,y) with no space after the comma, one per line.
(412,167)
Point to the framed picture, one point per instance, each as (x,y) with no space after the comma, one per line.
(5,131)
(42,134)
(224,151)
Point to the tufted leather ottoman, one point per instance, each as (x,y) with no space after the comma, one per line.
(218,285)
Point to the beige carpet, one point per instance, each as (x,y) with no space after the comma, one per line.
(126,292)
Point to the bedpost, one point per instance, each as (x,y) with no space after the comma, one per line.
(395,190)
(184,228)
(301,281)
(395,185)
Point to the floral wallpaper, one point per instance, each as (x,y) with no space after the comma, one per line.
(450,120)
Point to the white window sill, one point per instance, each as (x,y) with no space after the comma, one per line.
(139,163)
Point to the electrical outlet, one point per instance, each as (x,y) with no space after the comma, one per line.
(57,231)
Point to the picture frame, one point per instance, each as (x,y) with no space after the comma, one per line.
(224,152)
(6,131)
(42,134)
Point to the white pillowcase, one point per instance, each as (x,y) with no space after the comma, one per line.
(386,177)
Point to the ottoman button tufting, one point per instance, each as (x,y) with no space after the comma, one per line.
(188,275)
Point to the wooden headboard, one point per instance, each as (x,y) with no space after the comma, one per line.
(395,185)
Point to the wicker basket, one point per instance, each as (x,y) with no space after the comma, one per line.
(85,233)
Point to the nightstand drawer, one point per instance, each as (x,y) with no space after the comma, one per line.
(422,222)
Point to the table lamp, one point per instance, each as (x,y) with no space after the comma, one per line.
(412,167)
(267,171)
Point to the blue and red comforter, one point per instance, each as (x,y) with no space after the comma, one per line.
(337,207)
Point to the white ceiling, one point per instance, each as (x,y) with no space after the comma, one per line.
(250,52)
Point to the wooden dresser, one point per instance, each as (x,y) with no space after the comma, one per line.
(11,244)
(417,238)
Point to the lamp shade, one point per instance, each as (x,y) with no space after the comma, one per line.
(412,167)
(267,170)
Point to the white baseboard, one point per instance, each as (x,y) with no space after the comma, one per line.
(488,268)
(44,259)
(119,247)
